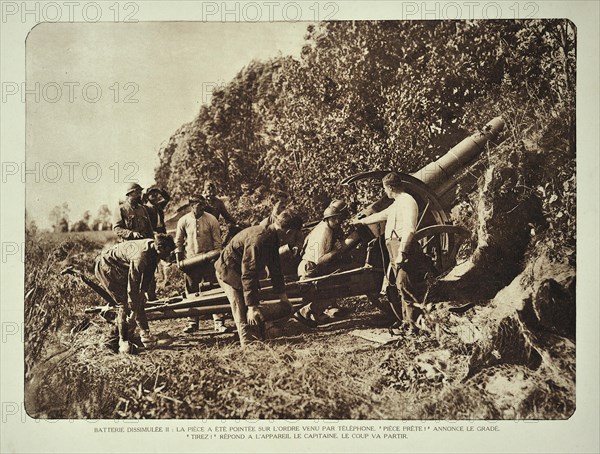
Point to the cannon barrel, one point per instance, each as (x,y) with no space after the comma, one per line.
(438,175)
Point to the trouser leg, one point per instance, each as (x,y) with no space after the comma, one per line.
(410,313)
(116,285)
(192,285)
(122,323)
(139,315)
(152,289)
(246,332)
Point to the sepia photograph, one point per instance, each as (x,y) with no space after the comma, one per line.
(356,220)
(271,227)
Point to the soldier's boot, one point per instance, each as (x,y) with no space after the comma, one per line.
(220,326)
(248,334)
(192,327)
(411,314)
(149,340)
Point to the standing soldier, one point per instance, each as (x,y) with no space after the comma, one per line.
(198,233)
(400,227)
(323,245)
(132,220)
(214,205)
(156,199)
(126,271)
(241,263)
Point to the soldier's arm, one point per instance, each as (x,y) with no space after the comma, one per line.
(375,218)
(165,195)
(315,245)
(120,228)
(225,213)
(250,274)
(407,225)
(180,237)
(274,266)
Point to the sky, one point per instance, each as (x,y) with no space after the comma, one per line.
(101,99)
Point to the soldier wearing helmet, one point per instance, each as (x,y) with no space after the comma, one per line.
(322,246)
(132,219)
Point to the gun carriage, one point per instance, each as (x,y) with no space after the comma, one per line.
(363,268)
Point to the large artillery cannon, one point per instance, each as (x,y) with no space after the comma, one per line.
(363,270)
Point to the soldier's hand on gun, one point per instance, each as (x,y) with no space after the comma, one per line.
(137,236)
(254,316)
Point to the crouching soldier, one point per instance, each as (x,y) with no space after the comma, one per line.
(322,251)
(126,271)
(239,267)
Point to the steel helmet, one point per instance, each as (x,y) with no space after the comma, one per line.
(335,208)
(132,187)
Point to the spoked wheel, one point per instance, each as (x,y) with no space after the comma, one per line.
(441,244)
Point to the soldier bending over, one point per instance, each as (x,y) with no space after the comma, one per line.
(126,271)
(241,262)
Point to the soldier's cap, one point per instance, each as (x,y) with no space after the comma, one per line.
(132,187)
(196,199)
(335,208)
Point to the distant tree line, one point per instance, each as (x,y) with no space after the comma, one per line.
(59,219)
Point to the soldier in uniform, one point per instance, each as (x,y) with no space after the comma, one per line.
(400,227)
(197,233)
(239,267)
(126,271)
(156,199)
(214,205)
(132,220)
(322,247)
